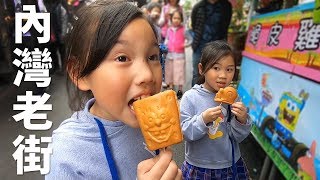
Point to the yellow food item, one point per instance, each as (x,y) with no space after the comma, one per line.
(227,95)
(159,119)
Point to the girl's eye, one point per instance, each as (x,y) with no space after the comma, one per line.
(153,58)
(122,59)
(216,68)
(230,70)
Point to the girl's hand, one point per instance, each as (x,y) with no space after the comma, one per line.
(160,167)
(211,114)
(240,111)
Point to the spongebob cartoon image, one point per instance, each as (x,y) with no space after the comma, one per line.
(279,129)
(289,110)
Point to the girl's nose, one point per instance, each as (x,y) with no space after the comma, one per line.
(144,73)
(222,74)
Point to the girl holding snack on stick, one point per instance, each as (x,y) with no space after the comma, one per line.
(112,60)
(213,130)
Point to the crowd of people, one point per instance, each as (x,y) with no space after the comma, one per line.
(168,19)
(210,20)
(172,32)
(62,13)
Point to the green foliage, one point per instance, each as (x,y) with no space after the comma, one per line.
(187,5)
(239,16)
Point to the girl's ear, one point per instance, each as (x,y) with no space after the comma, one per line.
(83,84)
(200,67)
(73,74)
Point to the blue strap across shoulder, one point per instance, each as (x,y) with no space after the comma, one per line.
(111,164)
(234,169)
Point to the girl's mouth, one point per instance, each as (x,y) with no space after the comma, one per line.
(130,103)
(221,84)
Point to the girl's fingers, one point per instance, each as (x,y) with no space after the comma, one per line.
(235,112)
(236,109)
(179,175)
(240,106)
(171,172)
(240,116)
(162,164)
(217,113)
(212,113)
(145,166)
(216,110)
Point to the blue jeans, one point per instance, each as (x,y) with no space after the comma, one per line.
(195,61)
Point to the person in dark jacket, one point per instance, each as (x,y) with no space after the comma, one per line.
(6,20)
(8,8)
(210,20)
(59,18)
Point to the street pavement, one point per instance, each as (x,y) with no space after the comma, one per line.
(10,129)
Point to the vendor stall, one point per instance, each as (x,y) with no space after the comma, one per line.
(280,83)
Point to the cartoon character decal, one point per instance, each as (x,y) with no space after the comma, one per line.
(267,96)
(290,108)
(307,163)
(213,132)
(264,80)
(279,129)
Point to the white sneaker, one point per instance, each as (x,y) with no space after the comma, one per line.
(164,85)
